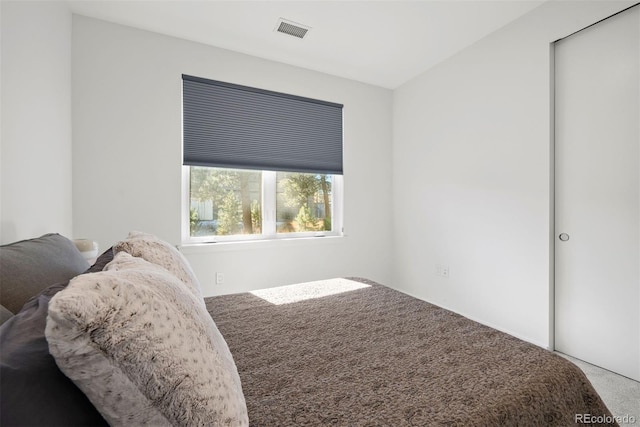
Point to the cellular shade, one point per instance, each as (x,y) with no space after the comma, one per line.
(233,126)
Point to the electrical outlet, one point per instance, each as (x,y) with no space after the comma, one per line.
(219,278)
(442,270)
(445,271)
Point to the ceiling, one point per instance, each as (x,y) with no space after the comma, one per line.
(383,43)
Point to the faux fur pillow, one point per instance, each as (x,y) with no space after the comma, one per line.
(144,349)
(159,252)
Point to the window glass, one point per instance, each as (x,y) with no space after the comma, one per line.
(303,202)
(224,202)
(237,205)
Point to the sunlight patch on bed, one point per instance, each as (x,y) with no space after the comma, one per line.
(306,291)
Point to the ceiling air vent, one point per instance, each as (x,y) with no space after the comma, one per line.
(292,28)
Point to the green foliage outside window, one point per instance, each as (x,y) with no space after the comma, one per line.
(229,202)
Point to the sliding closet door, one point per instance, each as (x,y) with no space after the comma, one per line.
(597,138)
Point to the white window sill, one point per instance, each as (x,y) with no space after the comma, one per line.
(224,246)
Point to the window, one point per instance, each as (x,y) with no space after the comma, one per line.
(259,164)
(234,204)
(303,202)
(224,202)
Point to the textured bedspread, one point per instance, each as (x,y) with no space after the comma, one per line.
(376,357)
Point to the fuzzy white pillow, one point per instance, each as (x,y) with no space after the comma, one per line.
(159,252)
(144,349)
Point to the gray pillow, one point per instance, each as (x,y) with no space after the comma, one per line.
(29,266)
(34,390)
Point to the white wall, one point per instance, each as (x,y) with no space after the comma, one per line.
(127,155)
(35,171)
(472,170)
(471,158)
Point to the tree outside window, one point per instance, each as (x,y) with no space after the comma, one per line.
(229,202)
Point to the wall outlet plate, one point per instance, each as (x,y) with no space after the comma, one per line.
(445,271)
(219,278)
(442,270)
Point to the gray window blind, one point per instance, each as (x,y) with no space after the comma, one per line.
(233,126)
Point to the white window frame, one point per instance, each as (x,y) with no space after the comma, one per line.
(268,213)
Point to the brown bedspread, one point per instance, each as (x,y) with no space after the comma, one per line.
(377,357)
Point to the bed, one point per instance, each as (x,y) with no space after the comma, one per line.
(139,345)
(373,356)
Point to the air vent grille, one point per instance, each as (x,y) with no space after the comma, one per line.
(292,28)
